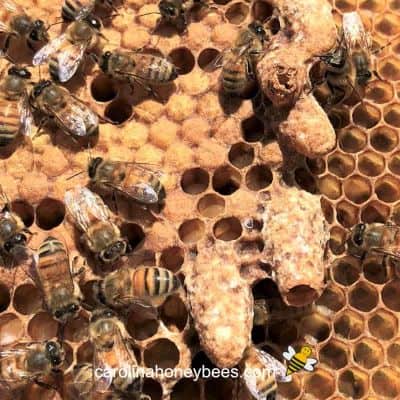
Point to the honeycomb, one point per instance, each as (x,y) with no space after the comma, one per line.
(216,156)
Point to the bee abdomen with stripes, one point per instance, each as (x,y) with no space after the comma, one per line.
(145,284)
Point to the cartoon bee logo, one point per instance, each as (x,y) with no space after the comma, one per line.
(300,360)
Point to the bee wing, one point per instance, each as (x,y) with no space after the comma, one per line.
(11,7)
(272,365)
(85,11)
(76,117)
(309,366)
(141,192)
(289,353)
(85,207)
(354,32)
(219,61)
(102,372)
(26,117)
(69,60)
(4,354)
(124,354)
(3,28)
(43,55)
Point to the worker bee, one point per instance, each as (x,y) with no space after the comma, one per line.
(13,239)
(358,44)
(144,285)
(267,310)
(65,53)
(376,238)
(238,63)
(31,361)
(68,112)
(93,218)
(61,294)
(300,360)
(15,112)
(348,65)
(261,371)
(132,179)
(18,24)
(84,382)
(142,68)
(176,12)
(78,9)
(114,354)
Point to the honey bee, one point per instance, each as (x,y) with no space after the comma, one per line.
(144,285)
(68,112)
(378,238)
(348,65)
(13,239)
(65,53)
(238,63)
(132,179)
(113,354)
(176,12)
(93,218)
(134,66)
(31,362)
(15,112)
(261,371)
(18,24)
(61,294)
(84,383)
(267,310)
(358,44)
(78,9)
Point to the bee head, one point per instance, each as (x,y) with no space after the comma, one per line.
(364,77)
(38,32)
(67,312)
(54,353)
(335,59)
(102,313)
(257,28)
(168,9)
(20,72)
(39,87)
(357,235)
(16,241)
(92,167)
(113,252)
(104,61)
(94,22)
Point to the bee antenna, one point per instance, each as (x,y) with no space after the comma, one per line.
(55,23)
(5,55)
(116,14)
(74,175)
(150,13)
(379,49)
(90,153)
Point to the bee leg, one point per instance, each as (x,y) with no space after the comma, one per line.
(44,385)
(114,198)
(376,73)
(7,43)
(78,272)
(42,122)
